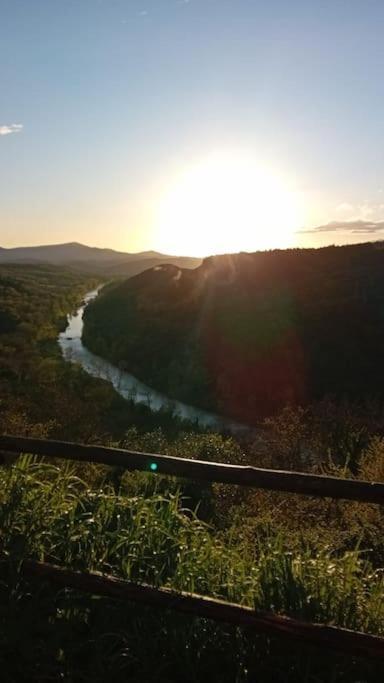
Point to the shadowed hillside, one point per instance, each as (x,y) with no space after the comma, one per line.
(245,334)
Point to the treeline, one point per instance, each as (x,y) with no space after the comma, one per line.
(246,334)
(40,393)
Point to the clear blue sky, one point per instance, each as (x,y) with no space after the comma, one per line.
(116,96)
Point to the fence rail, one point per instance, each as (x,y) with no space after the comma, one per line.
(243,475)
(330,637)
(341,639)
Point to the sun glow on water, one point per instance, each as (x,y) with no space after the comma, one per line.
(227,203)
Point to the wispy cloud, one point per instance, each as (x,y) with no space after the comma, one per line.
(354,227)
(364,217)
(367,210)
(11,128)
(142,13)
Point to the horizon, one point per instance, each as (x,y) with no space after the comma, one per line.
(191,127)
(192,256)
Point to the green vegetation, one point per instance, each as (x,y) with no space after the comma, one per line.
(39,392)
(246,334)
(315,559)
(146,531)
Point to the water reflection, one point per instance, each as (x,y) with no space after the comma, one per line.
(127,385)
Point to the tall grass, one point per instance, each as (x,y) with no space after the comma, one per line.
(51,513)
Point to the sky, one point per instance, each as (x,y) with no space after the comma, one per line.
(117,118)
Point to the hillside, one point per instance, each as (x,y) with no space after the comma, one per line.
(245,334)
(40,393)
(106,262)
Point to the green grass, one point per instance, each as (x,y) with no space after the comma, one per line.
(146,533)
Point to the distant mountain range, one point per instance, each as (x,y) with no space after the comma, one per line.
(92,259)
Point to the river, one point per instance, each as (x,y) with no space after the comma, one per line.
(127,385)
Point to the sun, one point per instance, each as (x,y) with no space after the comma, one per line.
(226,203)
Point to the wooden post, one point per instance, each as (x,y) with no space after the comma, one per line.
(8,457)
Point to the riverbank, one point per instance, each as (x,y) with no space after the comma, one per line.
(128,386)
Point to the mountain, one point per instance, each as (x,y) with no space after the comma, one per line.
(245,334)
(92,259)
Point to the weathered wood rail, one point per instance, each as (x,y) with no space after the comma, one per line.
(276,480)
(352,642)
(329,637)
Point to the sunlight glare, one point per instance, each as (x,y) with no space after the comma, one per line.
(226,203)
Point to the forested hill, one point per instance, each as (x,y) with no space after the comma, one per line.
(40,393)
(245,334)
(34,380)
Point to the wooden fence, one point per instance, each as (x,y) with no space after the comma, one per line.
(352,642)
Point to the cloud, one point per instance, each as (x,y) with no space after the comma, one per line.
(142,13)
(364,211)
(365,218)
(345,207)
(12,128)
(353,227)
